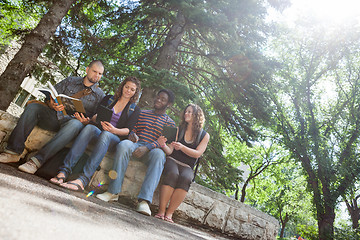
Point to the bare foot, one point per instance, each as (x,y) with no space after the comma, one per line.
(75,185)
(59,179)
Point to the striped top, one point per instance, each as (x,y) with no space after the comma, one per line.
(149,127)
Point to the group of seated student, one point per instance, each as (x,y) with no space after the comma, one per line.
(130,133)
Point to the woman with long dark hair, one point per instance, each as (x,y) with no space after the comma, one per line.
(182,156)
(105,135)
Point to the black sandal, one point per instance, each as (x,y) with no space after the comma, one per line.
(57,181)
(79,188)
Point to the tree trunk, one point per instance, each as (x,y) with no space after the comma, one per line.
(326,224)
(354,212)
(20,66)
(168,51)
(167,56)
(243,190)
(283,224)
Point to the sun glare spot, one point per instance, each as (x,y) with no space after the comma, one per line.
(325,11)
(333,8)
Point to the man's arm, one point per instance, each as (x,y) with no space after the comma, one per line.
(156,144)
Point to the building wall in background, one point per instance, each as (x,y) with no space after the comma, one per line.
(28,89)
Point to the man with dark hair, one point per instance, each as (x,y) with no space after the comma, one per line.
(143,144)
(46,115)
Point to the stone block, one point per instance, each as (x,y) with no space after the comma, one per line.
(107,162)
(38,138)
(236,218)
(258,221)
(2,136)
(271,231)
(216,217)
(100,177)
(239,215)
(134,177)
(190,212)
(7,122)
(251,232)
(199,200)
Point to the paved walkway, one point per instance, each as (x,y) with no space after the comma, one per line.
(33,209)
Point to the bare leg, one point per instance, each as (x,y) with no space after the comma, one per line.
(177,198)
(165,194)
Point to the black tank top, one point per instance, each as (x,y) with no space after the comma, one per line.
(182,157)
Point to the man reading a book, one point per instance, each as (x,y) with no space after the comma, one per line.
(48,116)
(143,144)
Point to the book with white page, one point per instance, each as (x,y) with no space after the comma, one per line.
(71,104)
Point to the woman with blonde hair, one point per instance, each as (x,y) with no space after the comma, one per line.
(182,156)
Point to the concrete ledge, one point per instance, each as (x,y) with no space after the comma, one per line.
(201,206)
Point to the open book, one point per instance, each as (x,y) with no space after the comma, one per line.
(71,104)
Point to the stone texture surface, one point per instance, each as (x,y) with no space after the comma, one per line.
(202,206)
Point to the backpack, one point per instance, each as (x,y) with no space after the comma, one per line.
(199,137)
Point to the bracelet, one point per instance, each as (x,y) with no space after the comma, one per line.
(163,145)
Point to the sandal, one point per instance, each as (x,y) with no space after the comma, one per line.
(56,180)
(168,219)
(78,189)
(159,216)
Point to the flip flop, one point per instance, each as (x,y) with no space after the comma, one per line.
(168,219)
(159,216)
(79,188)
(58,180)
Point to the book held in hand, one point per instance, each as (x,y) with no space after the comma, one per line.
(103,114)
(71,104)
(170,133)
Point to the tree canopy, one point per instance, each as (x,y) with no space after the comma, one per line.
(275,98)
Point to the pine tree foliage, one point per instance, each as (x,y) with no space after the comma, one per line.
(208,52)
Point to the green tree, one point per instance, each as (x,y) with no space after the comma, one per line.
(208,52)
(34,43)
(351,200)
(281,192)
(17,18)
(315,100)
(254,160)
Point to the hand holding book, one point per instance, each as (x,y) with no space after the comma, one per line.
(55,105)
(82,118)
(170,133)
(68,105)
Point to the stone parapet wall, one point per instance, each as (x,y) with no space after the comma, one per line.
(202,206)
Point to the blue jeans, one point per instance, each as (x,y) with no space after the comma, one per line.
(68,131)
(155,160)
(103,141)
(34,114)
